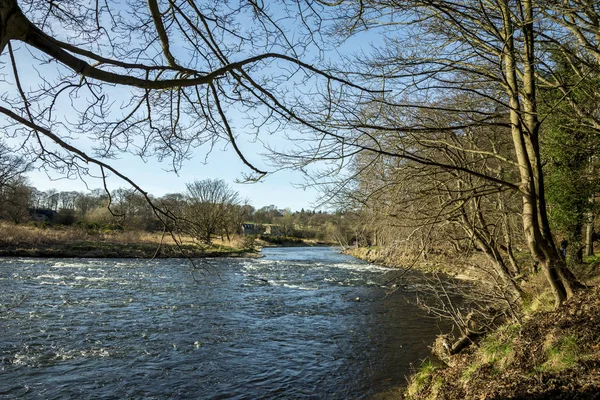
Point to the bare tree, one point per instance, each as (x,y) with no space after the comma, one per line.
(423,209)
(12,166)
(15,199)
(210,203)
(14,192)
(152,78)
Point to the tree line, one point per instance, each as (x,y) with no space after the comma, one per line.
(207,209)
(483,135)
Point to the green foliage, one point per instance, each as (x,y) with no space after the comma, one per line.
(568,188)
(468,372)
(498,347)
(544,302)
(496,350)
(112,227)
(95,227)
(280,240)
(568,148)
(249,242)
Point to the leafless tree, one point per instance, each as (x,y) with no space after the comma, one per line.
(421,209)
(209,205)
(153,78)
(14,199)
(12,166)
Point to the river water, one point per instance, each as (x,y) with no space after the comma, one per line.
(288,325)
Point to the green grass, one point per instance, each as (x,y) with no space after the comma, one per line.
(561,354)
(468,373)
(496,349)
(420,380)
(544,302)
(595,259)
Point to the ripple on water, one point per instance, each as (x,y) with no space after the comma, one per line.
(286,326)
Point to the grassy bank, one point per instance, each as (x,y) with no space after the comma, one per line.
(77,241)
(459,268)
(548,355)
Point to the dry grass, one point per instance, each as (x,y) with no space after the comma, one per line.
(79,241)
(30,234)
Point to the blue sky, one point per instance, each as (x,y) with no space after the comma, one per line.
(279,188)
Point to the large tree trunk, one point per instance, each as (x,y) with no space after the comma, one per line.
(524,129)
(558,289)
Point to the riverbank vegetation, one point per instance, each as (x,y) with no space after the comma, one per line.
(208,220)
(46,240)
(546,355)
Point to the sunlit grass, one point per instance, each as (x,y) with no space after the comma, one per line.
(497,349)
(80,238)
(561,353)
(421,379)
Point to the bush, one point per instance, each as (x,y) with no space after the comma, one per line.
(112,227)
(248,242)
(280,240)
(65,217)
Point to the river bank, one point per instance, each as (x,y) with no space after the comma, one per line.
(79,242)
(543,354)
(456,268)
(548,355)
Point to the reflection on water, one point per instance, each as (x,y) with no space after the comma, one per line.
(289,325)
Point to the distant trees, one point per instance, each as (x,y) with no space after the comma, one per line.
(207,210)
(130,207)
(267,214)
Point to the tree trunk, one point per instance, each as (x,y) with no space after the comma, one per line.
(589,235)
(492,253)
(524,130)
(558,289)
(508,237)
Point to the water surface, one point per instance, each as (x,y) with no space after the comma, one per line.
(298,323)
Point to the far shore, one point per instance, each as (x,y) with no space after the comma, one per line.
(100,250)
(72,242)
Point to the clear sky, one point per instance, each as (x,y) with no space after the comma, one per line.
(280,188)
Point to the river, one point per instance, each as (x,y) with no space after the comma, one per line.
(298,323)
